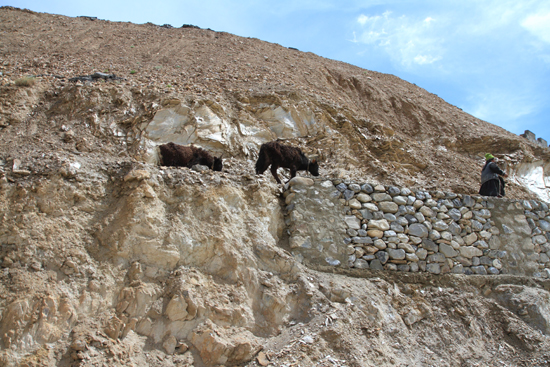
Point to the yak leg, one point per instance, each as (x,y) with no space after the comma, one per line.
(292,173)
(274,172)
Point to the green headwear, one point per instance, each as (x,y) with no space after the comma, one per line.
(489,156)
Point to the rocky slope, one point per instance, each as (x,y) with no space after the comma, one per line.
(109,259)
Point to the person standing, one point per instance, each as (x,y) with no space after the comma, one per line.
(492,183)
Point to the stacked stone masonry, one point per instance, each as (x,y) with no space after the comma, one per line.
(363,226)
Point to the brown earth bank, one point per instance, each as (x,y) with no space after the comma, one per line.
(108,259)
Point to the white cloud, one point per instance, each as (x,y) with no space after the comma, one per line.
(424,59)
(503,107)
(362,19)
(477,18)
(448,34)
(538,25)
(408,41)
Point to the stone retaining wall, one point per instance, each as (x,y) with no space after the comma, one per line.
(358,225)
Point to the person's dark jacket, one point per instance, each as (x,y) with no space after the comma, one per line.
(491,182)
(490,172)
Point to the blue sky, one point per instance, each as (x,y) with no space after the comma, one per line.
(489,57)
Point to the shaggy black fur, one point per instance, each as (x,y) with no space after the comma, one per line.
(279,155)
(187,156)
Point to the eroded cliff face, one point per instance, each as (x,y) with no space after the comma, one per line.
(131,120)
(131,263)
(108,258)
(535,176)
(167,254)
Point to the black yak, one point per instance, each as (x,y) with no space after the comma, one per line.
(187,156)
(279,155)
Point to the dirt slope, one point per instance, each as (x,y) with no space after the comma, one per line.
(383,126)
(78,204)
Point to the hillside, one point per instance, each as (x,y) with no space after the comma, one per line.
(109,259)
